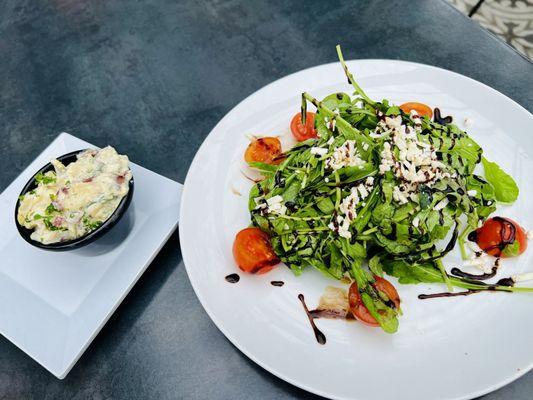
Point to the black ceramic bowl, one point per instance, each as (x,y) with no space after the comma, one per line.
(85,239)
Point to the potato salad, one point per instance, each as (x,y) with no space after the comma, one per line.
(75,199)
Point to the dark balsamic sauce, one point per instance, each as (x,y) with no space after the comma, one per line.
(481,277)
(447,294)
(439,119)
(277,283)
(320,337)
(233,278)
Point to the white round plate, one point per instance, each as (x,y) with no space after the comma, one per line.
(451,348)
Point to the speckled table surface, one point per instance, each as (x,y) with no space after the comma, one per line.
(153,77)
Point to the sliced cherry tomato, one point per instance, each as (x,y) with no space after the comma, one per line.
(500,237)
(300,131)
(420,108)
(253,252)
(357,307)
(266,150)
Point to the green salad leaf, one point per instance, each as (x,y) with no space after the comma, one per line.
(505,188)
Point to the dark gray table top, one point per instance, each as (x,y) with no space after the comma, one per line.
(153,77)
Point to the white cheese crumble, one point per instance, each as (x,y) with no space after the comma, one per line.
(345,155)
(472,192)
(399,195)
(416,162)
(272,205)
(365,146)
(441,204)
(416,222)
(330,140)
(319,151)
(478,259)
(348,208)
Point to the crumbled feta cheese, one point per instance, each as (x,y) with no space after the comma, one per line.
(441,204)
(472,192)
(387,160)
(483,263)
(416,222)
(272,205)
(365,146)
(344,156)
(399,196)
(326,180)
(330,123)
(319,151)
(348,208)
(369,181)
(416,162)
(341,226)
(363,192)
(349,203)
(330,140)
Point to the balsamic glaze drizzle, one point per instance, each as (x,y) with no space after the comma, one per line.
(233,278)
(320,337)
(457,272)
(439,119)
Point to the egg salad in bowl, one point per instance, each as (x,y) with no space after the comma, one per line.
(70,201)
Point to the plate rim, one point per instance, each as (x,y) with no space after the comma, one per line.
(185,252)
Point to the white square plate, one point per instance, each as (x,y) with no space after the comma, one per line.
(53,304)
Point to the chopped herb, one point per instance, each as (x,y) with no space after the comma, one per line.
(50,209)
(91,225)
(45,179)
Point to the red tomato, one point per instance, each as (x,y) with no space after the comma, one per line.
(300,131)
(357,307)
(266,150)
(420,108)
(253,252)
(498,236)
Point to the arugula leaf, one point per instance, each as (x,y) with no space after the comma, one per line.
(505,188)
(375,265)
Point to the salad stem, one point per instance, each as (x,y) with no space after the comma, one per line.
(444,274)
(351,79)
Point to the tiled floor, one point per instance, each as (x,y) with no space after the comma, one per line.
(512,20)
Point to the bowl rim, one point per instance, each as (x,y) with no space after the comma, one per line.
(89,237)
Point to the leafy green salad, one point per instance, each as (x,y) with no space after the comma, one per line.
(377,191)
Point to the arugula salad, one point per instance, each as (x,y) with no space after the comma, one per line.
(373,189)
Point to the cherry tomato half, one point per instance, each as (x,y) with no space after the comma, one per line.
(300,131)
(266,150)
(357,307)
(420,108)
(253,252)
(501,237)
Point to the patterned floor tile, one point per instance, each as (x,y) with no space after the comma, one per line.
(512,20)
